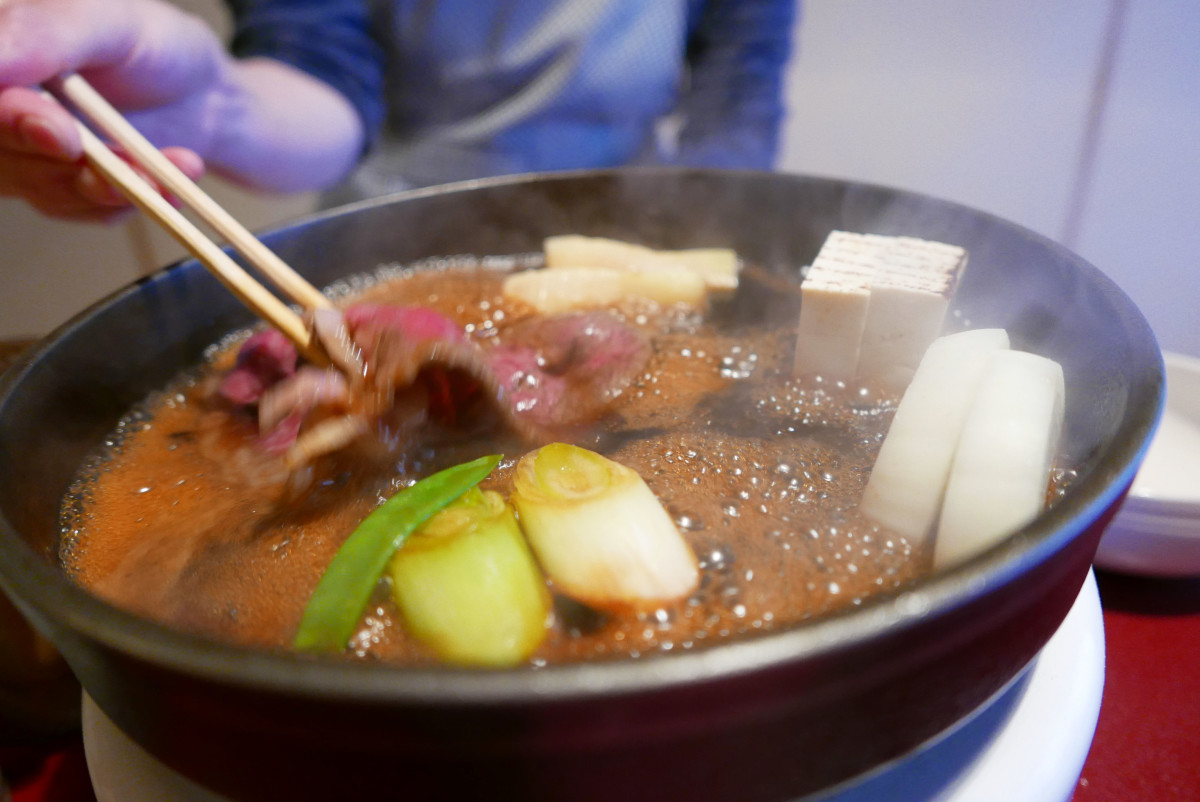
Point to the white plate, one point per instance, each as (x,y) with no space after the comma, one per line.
(1157,530)
(1029,744)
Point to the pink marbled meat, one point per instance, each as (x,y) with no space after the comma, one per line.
(264,359)
(567,369)
(543,375)
(414,323)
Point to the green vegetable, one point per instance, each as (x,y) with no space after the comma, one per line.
(468,586)
(345,588)
(598,531)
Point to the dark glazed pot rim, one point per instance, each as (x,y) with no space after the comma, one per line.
(46,594)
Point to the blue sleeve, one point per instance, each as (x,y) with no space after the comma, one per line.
(732,107)
(328,39)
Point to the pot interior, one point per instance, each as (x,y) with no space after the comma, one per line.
(83,378)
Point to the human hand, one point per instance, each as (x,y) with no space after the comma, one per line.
(41,161)
(161,66)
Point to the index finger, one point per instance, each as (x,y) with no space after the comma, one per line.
(43,38)
(34,124)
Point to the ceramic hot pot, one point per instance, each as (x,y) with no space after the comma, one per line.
(770,717)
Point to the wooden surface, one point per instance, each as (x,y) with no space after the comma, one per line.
(11,350)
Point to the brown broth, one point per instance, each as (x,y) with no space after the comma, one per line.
(761,472)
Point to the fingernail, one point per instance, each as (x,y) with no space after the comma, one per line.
(42,137)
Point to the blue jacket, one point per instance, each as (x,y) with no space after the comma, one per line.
(453,89)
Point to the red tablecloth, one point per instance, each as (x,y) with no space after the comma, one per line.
(1147,744)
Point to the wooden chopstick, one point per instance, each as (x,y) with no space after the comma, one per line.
(80,94)
(261,301)
(117,172)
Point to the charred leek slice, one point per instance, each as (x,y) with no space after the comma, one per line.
(1002,464)
(718,267)
(468,586)
(555,291)
(904,492)
(342,594)
(598,530)
(567,288)
(668,284)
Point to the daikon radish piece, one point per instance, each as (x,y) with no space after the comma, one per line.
(1001,469)
(718,267)
(555,291)
(598,530)
(905,489)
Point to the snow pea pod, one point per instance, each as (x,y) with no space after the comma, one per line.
(345,588)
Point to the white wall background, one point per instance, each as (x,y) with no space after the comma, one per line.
(1079,120)
(1142,215)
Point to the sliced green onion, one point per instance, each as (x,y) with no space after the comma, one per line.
(552,292)
(718,267)
(598,530)
(667,284)
(468,587)
(345,588)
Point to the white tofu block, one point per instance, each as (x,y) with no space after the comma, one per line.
(831,325)
(901,322)
(834,298)
(910,296)
(909,283)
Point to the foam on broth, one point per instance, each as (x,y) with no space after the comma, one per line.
(762,474)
